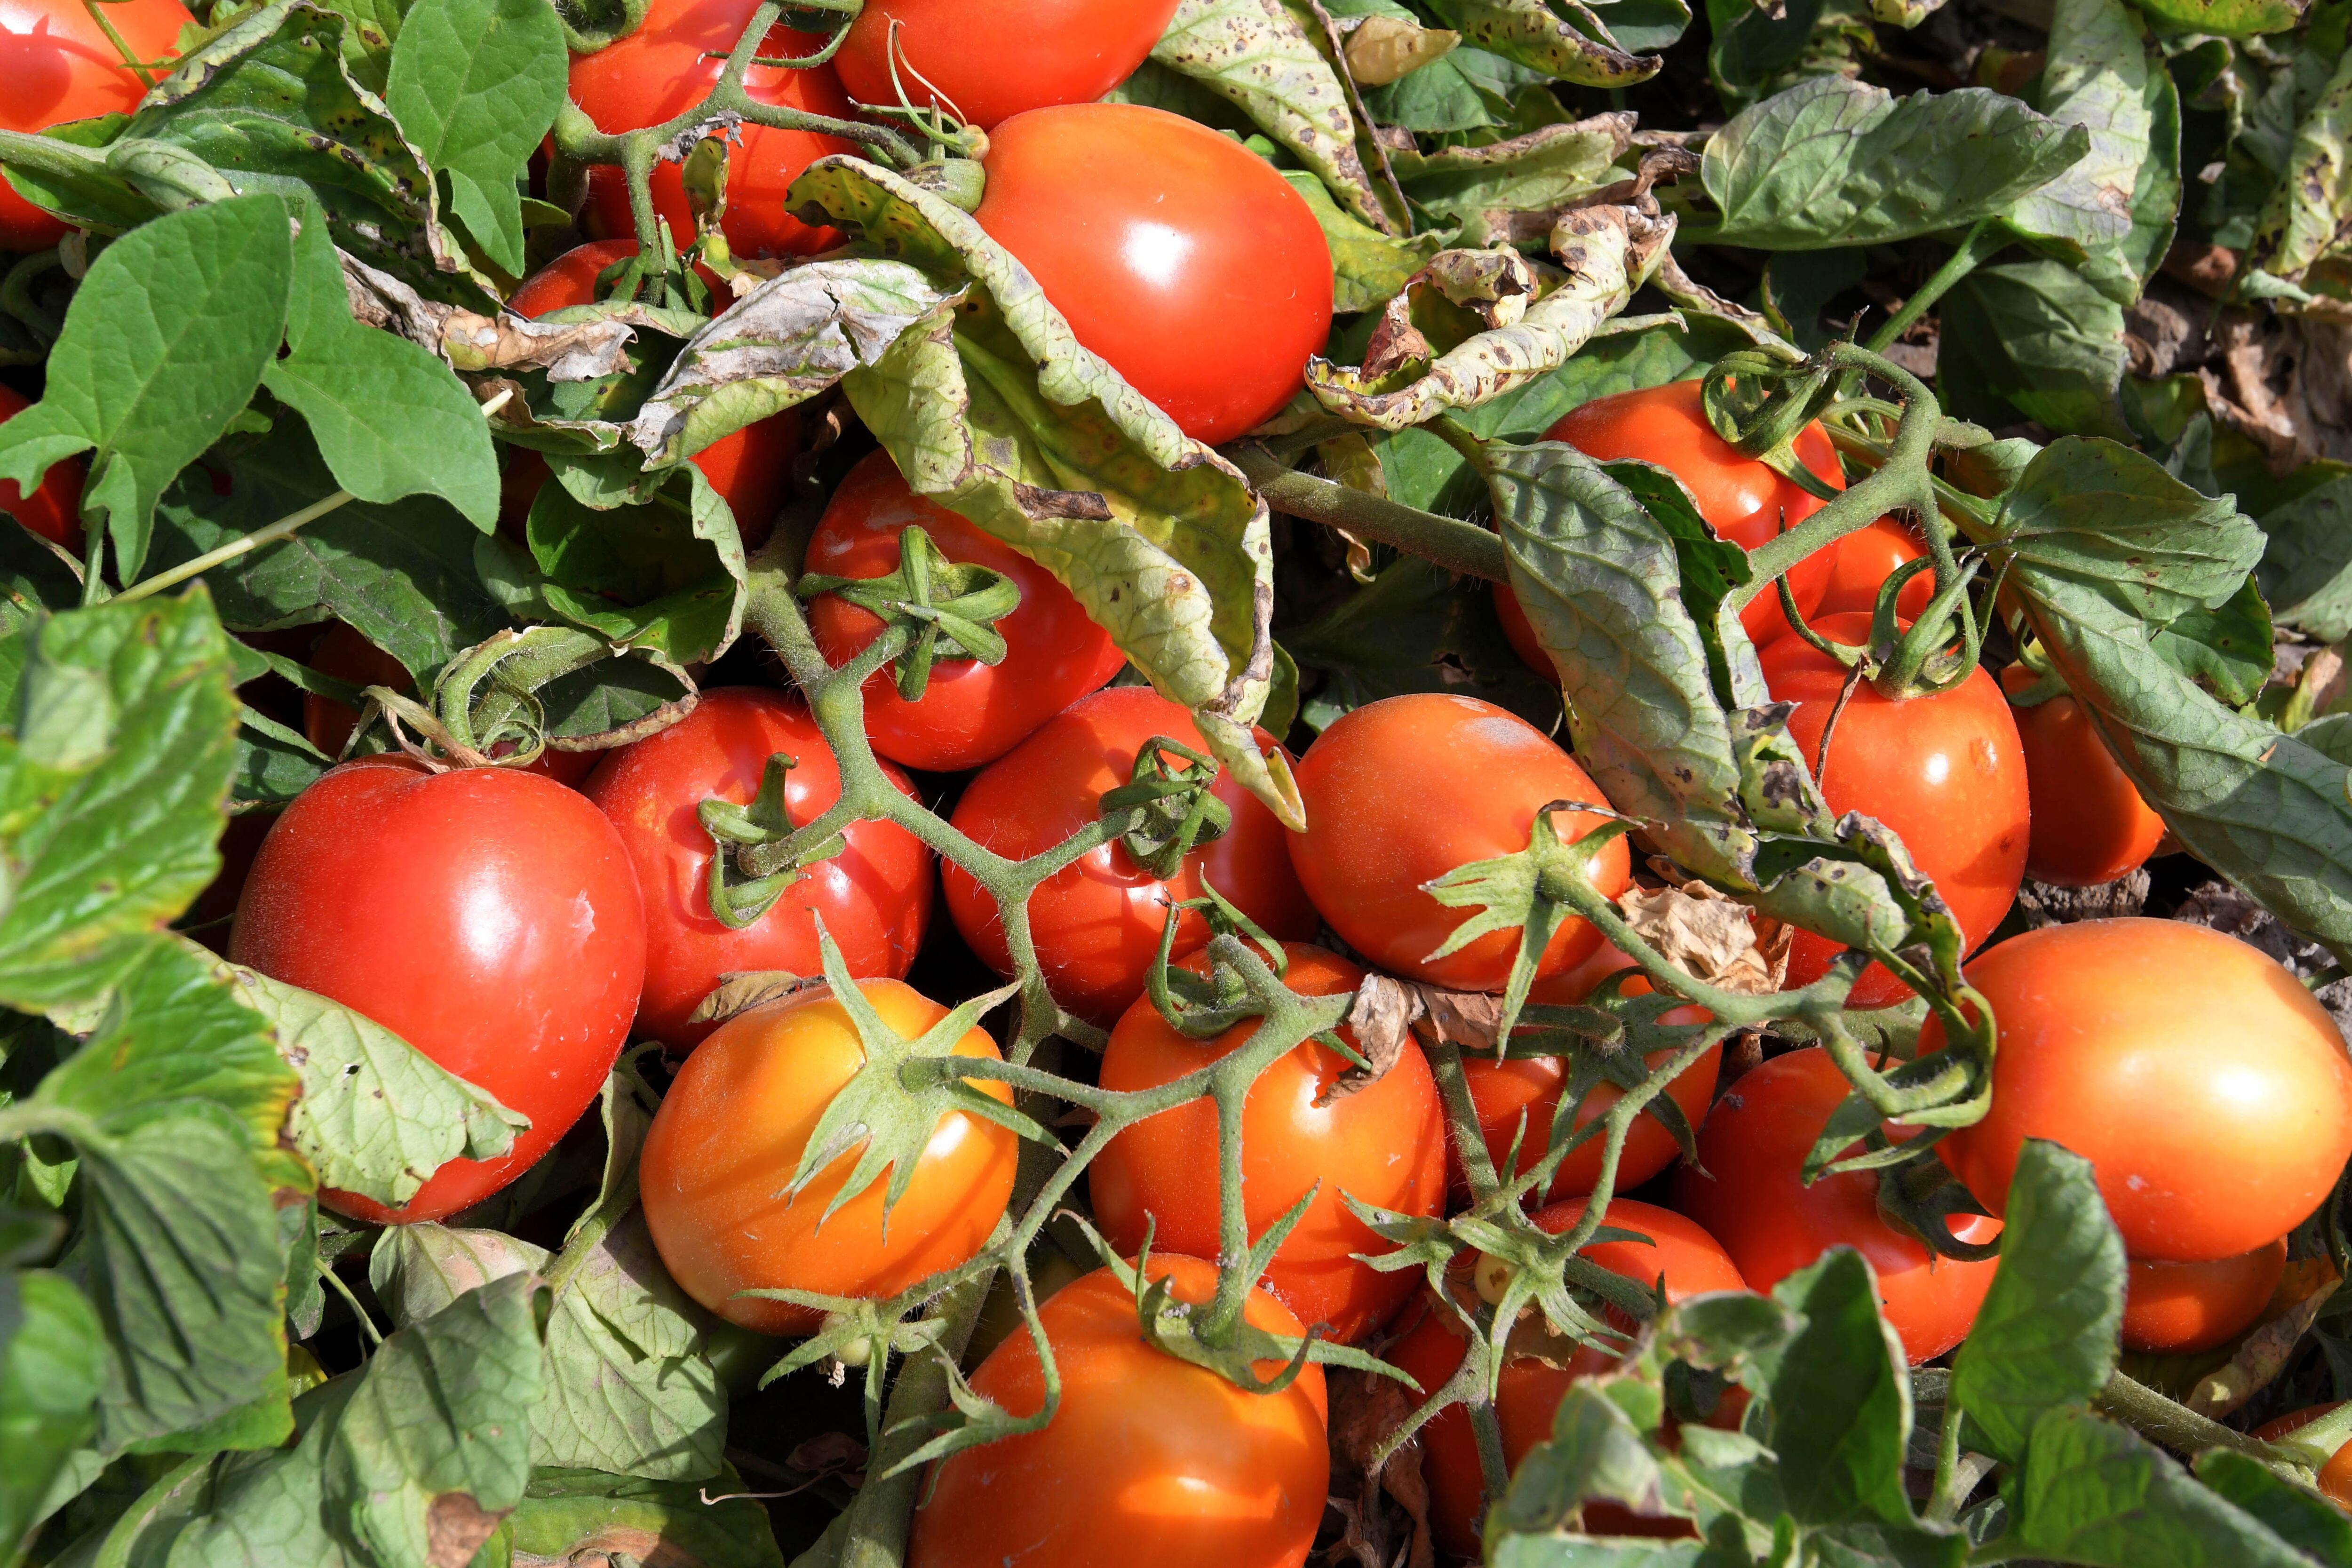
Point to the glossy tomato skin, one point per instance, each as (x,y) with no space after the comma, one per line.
(1680,1254)
(970,713)
(1946,773)
(1862,561)
(2090,823)
(729,1134)
(874,897)
(489,917)
(2179,1308)
(1751,1196)
(53,509)
(328,724)
(666,67)
(1400,792)
(1741,498)
(1174,252)
(1150,1462)
(993,62)
(1097,922)
(2205,1085)
(1524,1090)
(2336,1475)
(752,468)
(1383,1145)
(57,64)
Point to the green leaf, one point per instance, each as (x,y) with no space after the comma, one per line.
(52,1368)
(567,1513)
(1594,1454)
(400,572)
(2304,220)
(2033,338)
(1468,90)
(476,85)
(2097,78)
(1831,162)
(376,1117)
(2226,18)
(1760,50)
(2306,565)
(1538,173)
(1416,628)
(1840,1397)
(1367,265)
(2046,1333)
(2302,1521)
(391,420)
(163,344)
(666,576)
(629,1389)
(1531,34)
(2095,1493)
(110,794)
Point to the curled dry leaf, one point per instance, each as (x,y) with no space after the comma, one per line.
(1382,49)
(577,351)
(743,990)
(1389,1010)
(2263,1355)
(1709,936)
(1364,1410)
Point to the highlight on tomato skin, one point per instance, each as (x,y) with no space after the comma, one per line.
(57,65)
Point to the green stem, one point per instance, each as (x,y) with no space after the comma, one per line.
(1457,546)
(1978,244)
(2179,1429)
(268,534)
(881,1517)
(137,67)
(1942,1503)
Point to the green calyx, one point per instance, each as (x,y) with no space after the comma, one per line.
(738,895)
(950,608)
(1169,792)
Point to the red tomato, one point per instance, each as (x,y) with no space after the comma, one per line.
(486,916)
(2179,1308)
(730,1132)
(1741,498)
(347,656)
(1174,252)
(1862,561)
(1097,922)
(1400,792)
(1382,1146)
(1946,773)
(992,62)
(1524,1091)
(2336,1475)
(2194,1072)
(1538,1367)
(2090,825)
(874,897)
(57,64)
(751,469)
(669,65)
(1750,1193)
(54,508)
(1149,1462)
(971,713)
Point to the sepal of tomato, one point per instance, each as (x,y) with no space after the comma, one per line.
(986,63)
(488,916)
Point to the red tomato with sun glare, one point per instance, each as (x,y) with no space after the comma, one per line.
(57,64)
(992,62)
(53,509)
(1173,252)
(874,897)
(486,916)
(970,713)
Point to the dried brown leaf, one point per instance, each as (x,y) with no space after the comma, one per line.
(743,990)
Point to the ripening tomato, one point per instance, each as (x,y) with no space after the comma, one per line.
(328,724)
(1538,1366)
(1149,1462)
(989,63)
(1946,772)
(1749,1192)
(731,1133)
(1862,561)
(57,64)
(1741,498)
(1401,791)
(670,64)
(752,468)
(1384,1144)
(486,916)
(970,713)
(1174,252)
(53,509)
(2200,1079)
(2336,1475)
(2090,823)
(1097,922)
(874,897)
(2179,1308)
(1518,1096)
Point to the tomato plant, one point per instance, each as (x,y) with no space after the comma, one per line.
(488,917)
(57,65)
(1381,1144)
(1098,922)
(970,713)
(1945,771)
(2090,825)
(2180,1309)
(1403,791)
(1156,238)
(2209,1089)
(988,64)
(51,509)
(342,652)
(873,896)
(1146,1461)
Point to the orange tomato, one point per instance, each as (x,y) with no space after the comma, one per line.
(2178,1309)
(2090,823)
(2336,1475)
